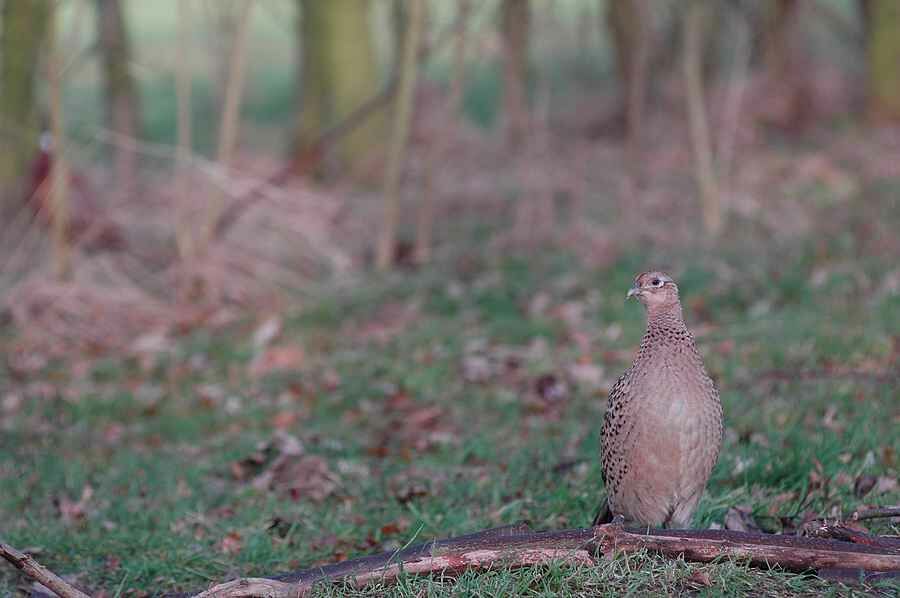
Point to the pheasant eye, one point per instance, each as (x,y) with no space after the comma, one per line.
(656,282)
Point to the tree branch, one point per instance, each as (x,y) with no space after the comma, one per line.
(877,513)
(518,546)
(39,573)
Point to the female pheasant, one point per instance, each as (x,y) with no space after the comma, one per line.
(663,426)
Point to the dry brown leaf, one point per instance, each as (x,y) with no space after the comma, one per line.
(700,578)
(266,332)
(73,511)
(390,321)
(395,527)
(551,388)
(776,502)
(284,420)
(587,375)
(408,485)
(740,519)
(279,357)
(11,403)
(231,544)
(863,485)
(885,484)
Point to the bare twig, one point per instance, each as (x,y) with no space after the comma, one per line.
(39,573)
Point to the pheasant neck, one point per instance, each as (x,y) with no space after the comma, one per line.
(668,317)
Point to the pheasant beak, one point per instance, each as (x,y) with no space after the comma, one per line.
(633,291)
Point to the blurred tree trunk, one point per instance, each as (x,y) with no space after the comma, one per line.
(444,138)
(695,23)
(409,67)
(24,25)
(59,175)
(783,56)
(339,73)
(865,16)
(123,111)
(229,122)
(884,58)
(184,234)
(516,29)
(628,21)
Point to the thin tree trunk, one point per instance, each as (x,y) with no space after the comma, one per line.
(122,103)
(516,28)
(59,174)
(694,23)
(230,119)
(784,60)
(400,134)
(629,23)
(444,138)
(23,27)
(184,236)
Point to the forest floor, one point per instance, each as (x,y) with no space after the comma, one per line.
(433,403)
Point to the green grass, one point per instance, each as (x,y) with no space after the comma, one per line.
(158,443)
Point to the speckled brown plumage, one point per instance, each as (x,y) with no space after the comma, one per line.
(663,425)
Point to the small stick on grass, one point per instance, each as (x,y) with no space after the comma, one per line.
(36,571)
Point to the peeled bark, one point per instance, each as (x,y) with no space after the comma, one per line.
(519,546)
(33,569)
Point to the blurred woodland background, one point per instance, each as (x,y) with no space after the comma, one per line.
(287,281)
(163,160)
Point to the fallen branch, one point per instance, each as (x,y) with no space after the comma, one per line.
(877,513)
(518,546)
(763,550)
(863,514)
(846,534)
(36,571)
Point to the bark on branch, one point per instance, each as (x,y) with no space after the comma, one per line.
(33,569)
(518,546)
